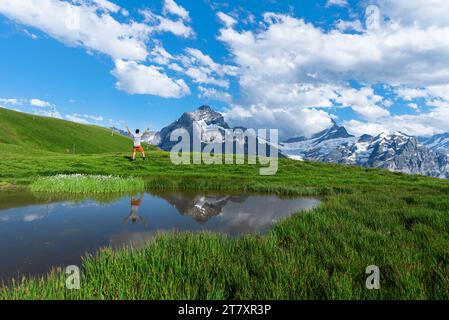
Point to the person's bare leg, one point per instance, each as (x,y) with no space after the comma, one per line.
(134,156)
(143,154)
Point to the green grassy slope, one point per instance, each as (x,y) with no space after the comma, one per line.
(42,135)
(396,221)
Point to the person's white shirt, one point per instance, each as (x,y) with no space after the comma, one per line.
(137,137)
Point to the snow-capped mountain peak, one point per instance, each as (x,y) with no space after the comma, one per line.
(438,142)
(319,145)
(396,151)
(205,115)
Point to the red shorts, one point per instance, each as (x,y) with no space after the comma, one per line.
(136,202)
(139,148)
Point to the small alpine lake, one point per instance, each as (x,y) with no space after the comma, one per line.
(40,231)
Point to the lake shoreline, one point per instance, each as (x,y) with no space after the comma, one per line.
(368,216)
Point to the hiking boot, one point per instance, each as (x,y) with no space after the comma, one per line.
(132,160)
(144,159)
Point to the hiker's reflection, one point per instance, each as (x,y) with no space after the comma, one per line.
(134,216)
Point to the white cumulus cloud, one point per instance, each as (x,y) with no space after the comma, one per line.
(339,3)
(163,24)
(39,103)
(214,94)
(93,25)
(81,24)
(170,6)
(288,64)
(226,19)
(137,78)
(290,122)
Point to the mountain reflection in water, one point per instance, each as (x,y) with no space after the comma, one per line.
(39,231)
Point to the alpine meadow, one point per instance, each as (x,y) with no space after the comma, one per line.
(398,222)
(209,159)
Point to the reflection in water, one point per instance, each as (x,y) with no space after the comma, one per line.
(37,232)
(134,216)
(238,214)
(200,208)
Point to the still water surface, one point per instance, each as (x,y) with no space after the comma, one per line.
(38,232)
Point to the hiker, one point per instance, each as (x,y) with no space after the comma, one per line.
(133,216)
(137,137)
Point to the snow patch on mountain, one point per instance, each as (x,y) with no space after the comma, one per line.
(439,142)
(396,152)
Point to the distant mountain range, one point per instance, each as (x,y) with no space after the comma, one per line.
(439,142)
(212,127)
(201,208)
(209,120)
(396,152)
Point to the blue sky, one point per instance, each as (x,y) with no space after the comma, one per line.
(372,66)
